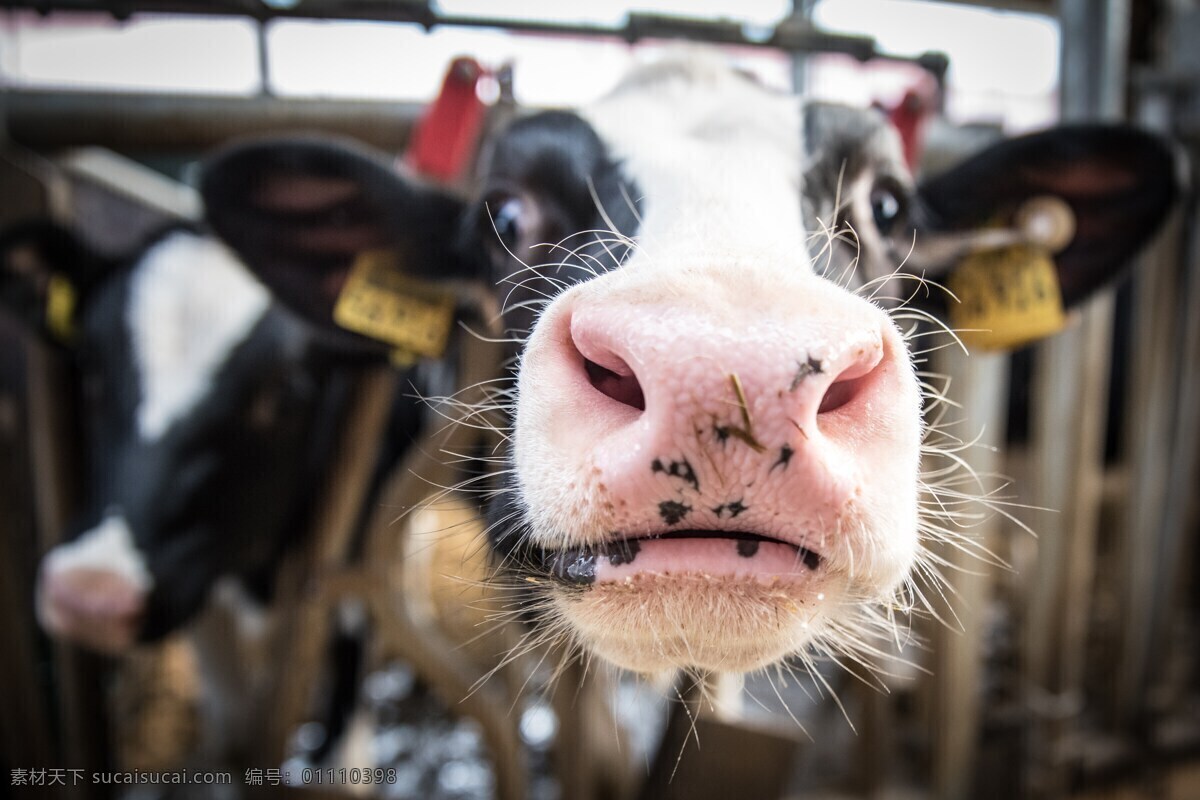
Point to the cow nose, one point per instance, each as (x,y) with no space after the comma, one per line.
(807,382)
(674,366)
(93,590)
(95,607)
(704,405)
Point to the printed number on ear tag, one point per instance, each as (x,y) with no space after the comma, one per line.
(380,301)
(1008,297)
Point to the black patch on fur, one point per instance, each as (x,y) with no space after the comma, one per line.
(678,469)
(672,512)
(733,509)
(810,366)
(747,547)
(785,456)
(623,551)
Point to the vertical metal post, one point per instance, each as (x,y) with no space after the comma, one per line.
(264,58)
(82,709)
(306,625)
(1163,395)
(26,735)
(1157,449)
(1068,415)
(1093,58)
(801,14)
(978,382)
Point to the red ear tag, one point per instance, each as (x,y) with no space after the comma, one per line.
(381,302)
(1007,297)
(447,136)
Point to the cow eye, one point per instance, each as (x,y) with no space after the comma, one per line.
(507,220)
(887,206)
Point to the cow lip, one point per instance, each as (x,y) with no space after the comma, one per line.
(702,533)
(577,565)
(812,559)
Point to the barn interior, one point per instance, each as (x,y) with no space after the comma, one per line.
(1061,659)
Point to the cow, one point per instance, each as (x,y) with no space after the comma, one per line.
(207,415)
(714,424)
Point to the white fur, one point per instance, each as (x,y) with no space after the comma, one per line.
(191,303)
(717,160)
(108,546)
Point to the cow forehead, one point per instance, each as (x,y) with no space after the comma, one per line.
(718,158)
(191,304)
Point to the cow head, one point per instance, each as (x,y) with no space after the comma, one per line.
(197,399)
(1116,182)
(714,454)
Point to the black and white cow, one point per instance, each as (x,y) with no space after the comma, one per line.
(207,413)
(715,450)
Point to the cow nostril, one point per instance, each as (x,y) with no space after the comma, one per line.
(852,381)
(621,386)
(840,393)
(606,369)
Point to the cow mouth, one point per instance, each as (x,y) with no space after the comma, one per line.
(96,608)
(707,552)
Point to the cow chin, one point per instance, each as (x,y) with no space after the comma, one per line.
(655,622)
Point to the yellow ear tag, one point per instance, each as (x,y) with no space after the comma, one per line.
(1008,297)
(60,308)
(381,302)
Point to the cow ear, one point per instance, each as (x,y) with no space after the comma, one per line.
(303,213)
(44,271)
(1117,182)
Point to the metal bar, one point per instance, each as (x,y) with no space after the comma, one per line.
(785,36)
(1162,444)
(264,59)
(1163,420)
(404,626)
(1068,417)
(978,382)
(1070,386)
(1185,456)
(306,624)
(160,122)
(26,735)
(129,180)
(381,588)
(449,676)
(82,709)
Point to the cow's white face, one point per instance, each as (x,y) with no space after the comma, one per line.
(715,450)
